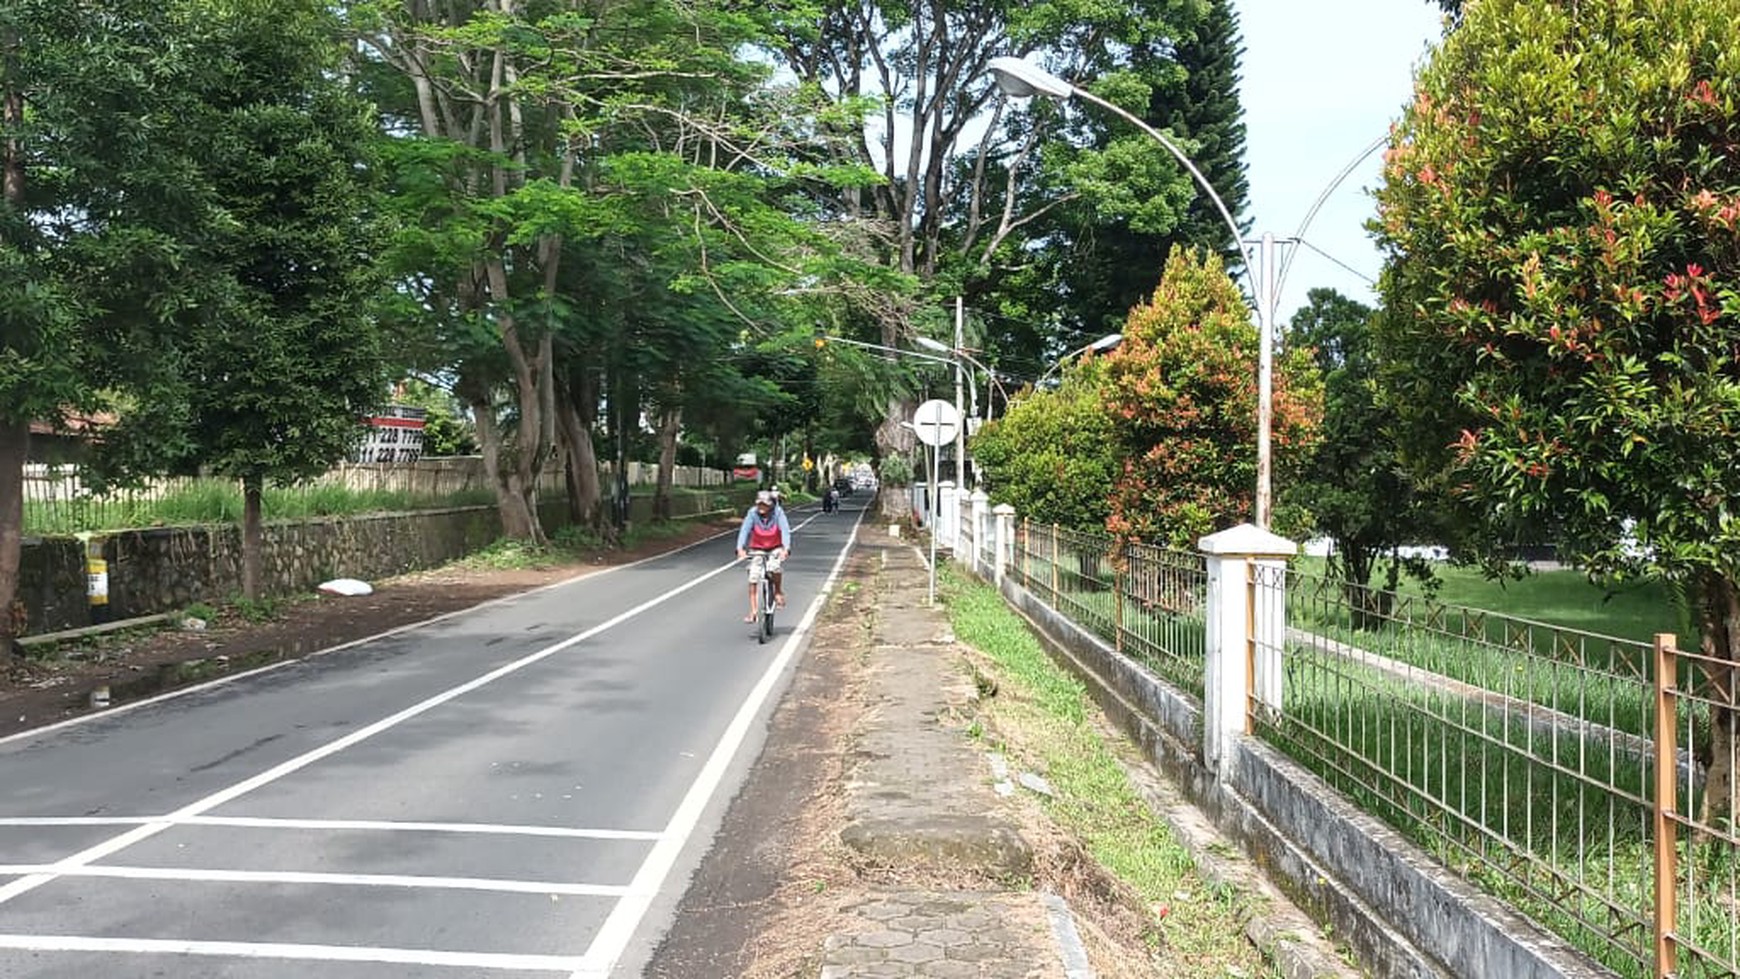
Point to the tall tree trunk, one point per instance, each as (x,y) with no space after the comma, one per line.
(517,519)
(14,444)
(1719,621)
(670,423)
(14,433)
(520,481)
(576,413)
(252,486)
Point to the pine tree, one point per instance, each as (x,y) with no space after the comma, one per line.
(1195,100)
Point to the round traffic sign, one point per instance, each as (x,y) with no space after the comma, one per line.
(935,422)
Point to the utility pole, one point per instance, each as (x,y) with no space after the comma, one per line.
(961,430)
(1265,375)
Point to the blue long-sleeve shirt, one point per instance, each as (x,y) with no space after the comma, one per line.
(775,519)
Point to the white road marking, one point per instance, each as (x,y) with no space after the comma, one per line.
(115,844)
(618,930)
(314,953)
(334,825)
(184,691)
(391,826)
(308,877)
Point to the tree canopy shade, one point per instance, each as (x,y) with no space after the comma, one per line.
(1052,455)
(594,198)
(1561,216)
(267,375)
(109,197)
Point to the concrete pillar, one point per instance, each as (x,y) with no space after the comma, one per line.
(1005,538)
(981,527)
(1246,624)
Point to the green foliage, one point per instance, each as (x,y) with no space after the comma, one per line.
(1189,90)
(894,471)
(268,373)
(1354,486)
(1182,389)
(1560,215)
(1052,454)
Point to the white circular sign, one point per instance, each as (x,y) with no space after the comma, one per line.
(935,421)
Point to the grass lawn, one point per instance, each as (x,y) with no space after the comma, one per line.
(1040,718)
(1631,610)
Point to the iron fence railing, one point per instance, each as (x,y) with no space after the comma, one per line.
(1587,780)
(1147,601)
(1530,758)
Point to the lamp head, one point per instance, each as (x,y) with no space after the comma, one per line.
(929,344)
(1106,343)
(1025,80)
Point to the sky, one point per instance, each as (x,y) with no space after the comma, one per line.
(1320,81)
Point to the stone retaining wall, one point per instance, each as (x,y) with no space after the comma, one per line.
(168,568)
(165,569)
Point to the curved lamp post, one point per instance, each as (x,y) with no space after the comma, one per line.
(1101,345)
(1022,79)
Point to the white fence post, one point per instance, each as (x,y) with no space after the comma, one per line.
(1005,539)
(1234,557)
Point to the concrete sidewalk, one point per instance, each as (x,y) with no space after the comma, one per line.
(919,801)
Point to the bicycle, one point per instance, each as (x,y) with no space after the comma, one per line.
(764,630)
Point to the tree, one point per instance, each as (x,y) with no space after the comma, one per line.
(94,218)
(1182,390)
(1559,214)
(1051,455)
(959,205)
(594,192)
(268,377)
(1354,486)
(1113,262)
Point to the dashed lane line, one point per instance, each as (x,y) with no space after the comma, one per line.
(203,875)
(334,825)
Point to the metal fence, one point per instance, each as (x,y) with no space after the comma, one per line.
(1148,602)
(1563,771)
(1586,780)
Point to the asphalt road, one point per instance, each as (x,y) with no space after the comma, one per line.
(521,789)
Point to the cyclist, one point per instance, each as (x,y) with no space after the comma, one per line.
(765,538)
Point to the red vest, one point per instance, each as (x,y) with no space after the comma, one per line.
(764,536)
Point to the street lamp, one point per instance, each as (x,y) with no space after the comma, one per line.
(1101,345)
(1022,79)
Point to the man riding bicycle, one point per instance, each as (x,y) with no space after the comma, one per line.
(764,538)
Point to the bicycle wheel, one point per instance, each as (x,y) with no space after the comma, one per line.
(766,631)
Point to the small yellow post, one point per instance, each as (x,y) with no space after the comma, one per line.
(1666,770)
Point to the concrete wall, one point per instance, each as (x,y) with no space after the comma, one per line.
(1402,912)
(167,568)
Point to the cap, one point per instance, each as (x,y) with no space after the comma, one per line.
(763,497)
